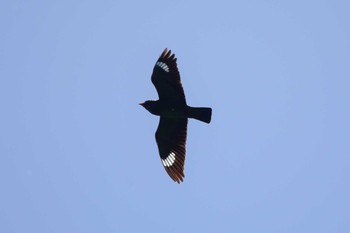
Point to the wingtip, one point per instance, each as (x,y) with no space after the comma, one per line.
(166,54)
(176,176)
(165,51)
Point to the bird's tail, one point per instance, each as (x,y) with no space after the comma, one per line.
(202,114)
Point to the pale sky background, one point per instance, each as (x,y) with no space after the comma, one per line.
(78,154)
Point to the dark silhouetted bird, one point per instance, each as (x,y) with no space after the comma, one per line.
(174,112)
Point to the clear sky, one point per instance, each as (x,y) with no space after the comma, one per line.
(78,154)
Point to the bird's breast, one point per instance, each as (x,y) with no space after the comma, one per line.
(174,112)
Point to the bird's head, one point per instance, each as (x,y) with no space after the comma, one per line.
(150,105)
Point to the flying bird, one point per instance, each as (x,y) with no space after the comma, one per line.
(174,112)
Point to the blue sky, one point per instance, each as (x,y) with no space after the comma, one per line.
(78,154)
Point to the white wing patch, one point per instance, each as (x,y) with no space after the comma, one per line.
(162,65)
(169,161)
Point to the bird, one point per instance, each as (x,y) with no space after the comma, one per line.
(174,112)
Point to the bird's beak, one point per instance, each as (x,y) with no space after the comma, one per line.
(141,104)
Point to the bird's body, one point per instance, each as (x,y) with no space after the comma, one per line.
(174,113)
(159,108)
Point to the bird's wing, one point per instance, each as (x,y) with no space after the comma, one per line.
(171,139)
(166,79)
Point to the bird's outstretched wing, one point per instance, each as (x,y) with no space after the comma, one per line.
(166,79)
(171,140)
